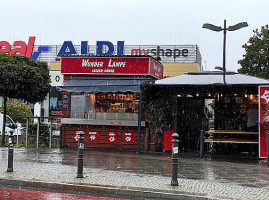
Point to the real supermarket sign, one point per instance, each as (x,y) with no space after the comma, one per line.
(20,47)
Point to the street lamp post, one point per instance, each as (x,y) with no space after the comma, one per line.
(225,29)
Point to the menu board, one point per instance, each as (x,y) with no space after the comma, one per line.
(66,102)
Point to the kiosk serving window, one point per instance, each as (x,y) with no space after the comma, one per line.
(82,105)
(105,106)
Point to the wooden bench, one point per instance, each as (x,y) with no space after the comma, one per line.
(218,136)
(232,140)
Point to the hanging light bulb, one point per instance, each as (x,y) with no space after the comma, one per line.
(209,94)
(246,95)
(197,94)
(251,96)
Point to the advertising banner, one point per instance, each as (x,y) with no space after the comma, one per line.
(129,137)
(111,137)
(156,70)
(93,136)
(111,66)
(264,119)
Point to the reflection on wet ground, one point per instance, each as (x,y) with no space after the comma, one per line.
(238,169)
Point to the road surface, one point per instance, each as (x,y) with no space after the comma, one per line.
(23,194)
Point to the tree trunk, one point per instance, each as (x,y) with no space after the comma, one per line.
(4,121)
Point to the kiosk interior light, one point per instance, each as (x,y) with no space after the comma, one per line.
(179,95)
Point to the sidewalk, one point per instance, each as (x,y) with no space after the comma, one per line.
(120,173)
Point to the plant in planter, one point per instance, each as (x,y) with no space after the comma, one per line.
(158,113)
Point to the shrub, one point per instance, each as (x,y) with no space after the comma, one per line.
(18,109)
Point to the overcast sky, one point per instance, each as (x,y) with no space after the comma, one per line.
(156,22)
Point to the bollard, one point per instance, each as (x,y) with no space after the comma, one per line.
(202,137)
(10,151)
(267,149)
(147,140)
(175,141)
(80,154)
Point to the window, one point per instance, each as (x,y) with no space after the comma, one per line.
(10,123)
(105,106)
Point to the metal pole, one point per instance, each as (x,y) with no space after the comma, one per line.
(202,144)
(175,154)
(61,143)
(139,119)
(147,140)
(26,134)
(267,149)
(80,154)
(50,133)
(224,52)
(17,138)
(10,151)
(175,112)
(37,133)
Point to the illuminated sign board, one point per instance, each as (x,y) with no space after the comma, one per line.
(112,66)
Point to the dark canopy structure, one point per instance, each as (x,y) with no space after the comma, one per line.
(188,92)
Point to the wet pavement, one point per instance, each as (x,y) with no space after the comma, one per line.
(225,176)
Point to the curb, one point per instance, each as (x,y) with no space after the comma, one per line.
(105,190)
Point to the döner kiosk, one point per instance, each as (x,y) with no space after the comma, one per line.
(101,98)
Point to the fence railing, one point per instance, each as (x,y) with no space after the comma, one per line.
(46,134)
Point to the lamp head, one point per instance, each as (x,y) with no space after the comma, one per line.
(237,26)
(212,27)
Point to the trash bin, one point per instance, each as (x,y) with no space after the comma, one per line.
(167,140)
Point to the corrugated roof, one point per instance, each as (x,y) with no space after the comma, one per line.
(212,78)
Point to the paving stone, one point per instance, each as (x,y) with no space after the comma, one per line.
(222,180)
